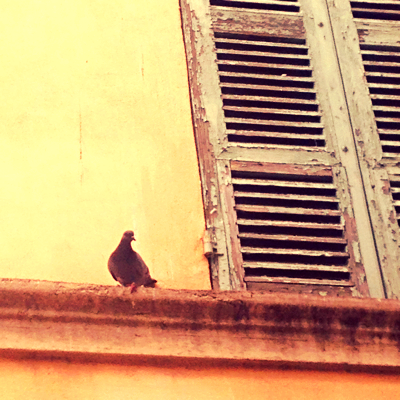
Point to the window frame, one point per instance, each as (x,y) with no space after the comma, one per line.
(212,146)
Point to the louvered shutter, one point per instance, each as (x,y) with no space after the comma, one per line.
(367,34)
(271,123)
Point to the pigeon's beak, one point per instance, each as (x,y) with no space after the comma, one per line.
(133,238)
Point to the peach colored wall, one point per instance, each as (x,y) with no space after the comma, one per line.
(38,380)
(96,138)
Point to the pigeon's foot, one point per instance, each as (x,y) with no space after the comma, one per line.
(133,287)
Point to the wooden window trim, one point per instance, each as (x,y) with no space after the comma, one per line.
(93,323)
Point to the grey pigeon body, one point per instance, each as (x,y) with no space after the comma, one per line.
(127,267)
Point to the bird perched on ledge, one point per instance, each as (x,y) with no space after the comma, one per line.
(127,267)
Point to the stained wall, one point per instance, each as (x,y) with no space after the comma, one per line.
(96,138)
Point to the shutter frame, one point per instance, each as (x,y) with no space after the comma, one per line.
(203,91)
(223,151)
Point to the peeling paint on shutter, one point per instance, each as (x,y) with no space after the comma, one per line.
(376,10)
(273,5)
(367,34)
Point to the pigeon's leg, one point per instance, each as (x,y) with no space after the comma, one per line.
(133,287)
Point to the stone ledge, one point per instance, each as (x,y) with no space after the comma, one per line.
(39,317)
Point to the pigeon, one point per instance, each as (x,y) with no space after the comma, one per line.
(127,267)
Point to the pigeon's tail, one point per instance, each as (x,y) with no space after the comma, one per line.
(150,283)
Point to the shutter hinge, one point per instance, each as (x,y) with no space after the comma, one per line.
(209,249)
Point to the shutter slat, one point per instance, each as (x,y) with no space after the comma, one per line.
(283,9)
(282,24)
(386,108)
(331,268)
(281,87)
(390,143)
(271,111)
(389,132)
(286,58)
(377,2)
(384,85)
(261,1)
(390,155)
(377,52)
(286,197)
(272,99)
(252,235)
(384,120)
(313,253)
(380,63)
(317,173)
(277,183)
(309,125)
(267,77)
(388,75)
(289,224)
(324,282)
(375,11)
(285,210)
(263,43)
(271,144)
(385,97)
(273,134)
(289,67)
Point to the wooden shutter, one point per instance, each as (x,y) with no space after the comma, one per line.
(367,34)
(277,158)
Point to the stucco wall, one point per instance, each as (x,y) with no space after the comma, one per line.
(96,138)
(38,380)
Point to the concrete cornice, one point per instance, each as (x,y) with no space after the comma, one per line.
(40,317)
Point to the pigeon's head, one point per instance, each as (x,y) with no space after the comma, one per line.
(128,236)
